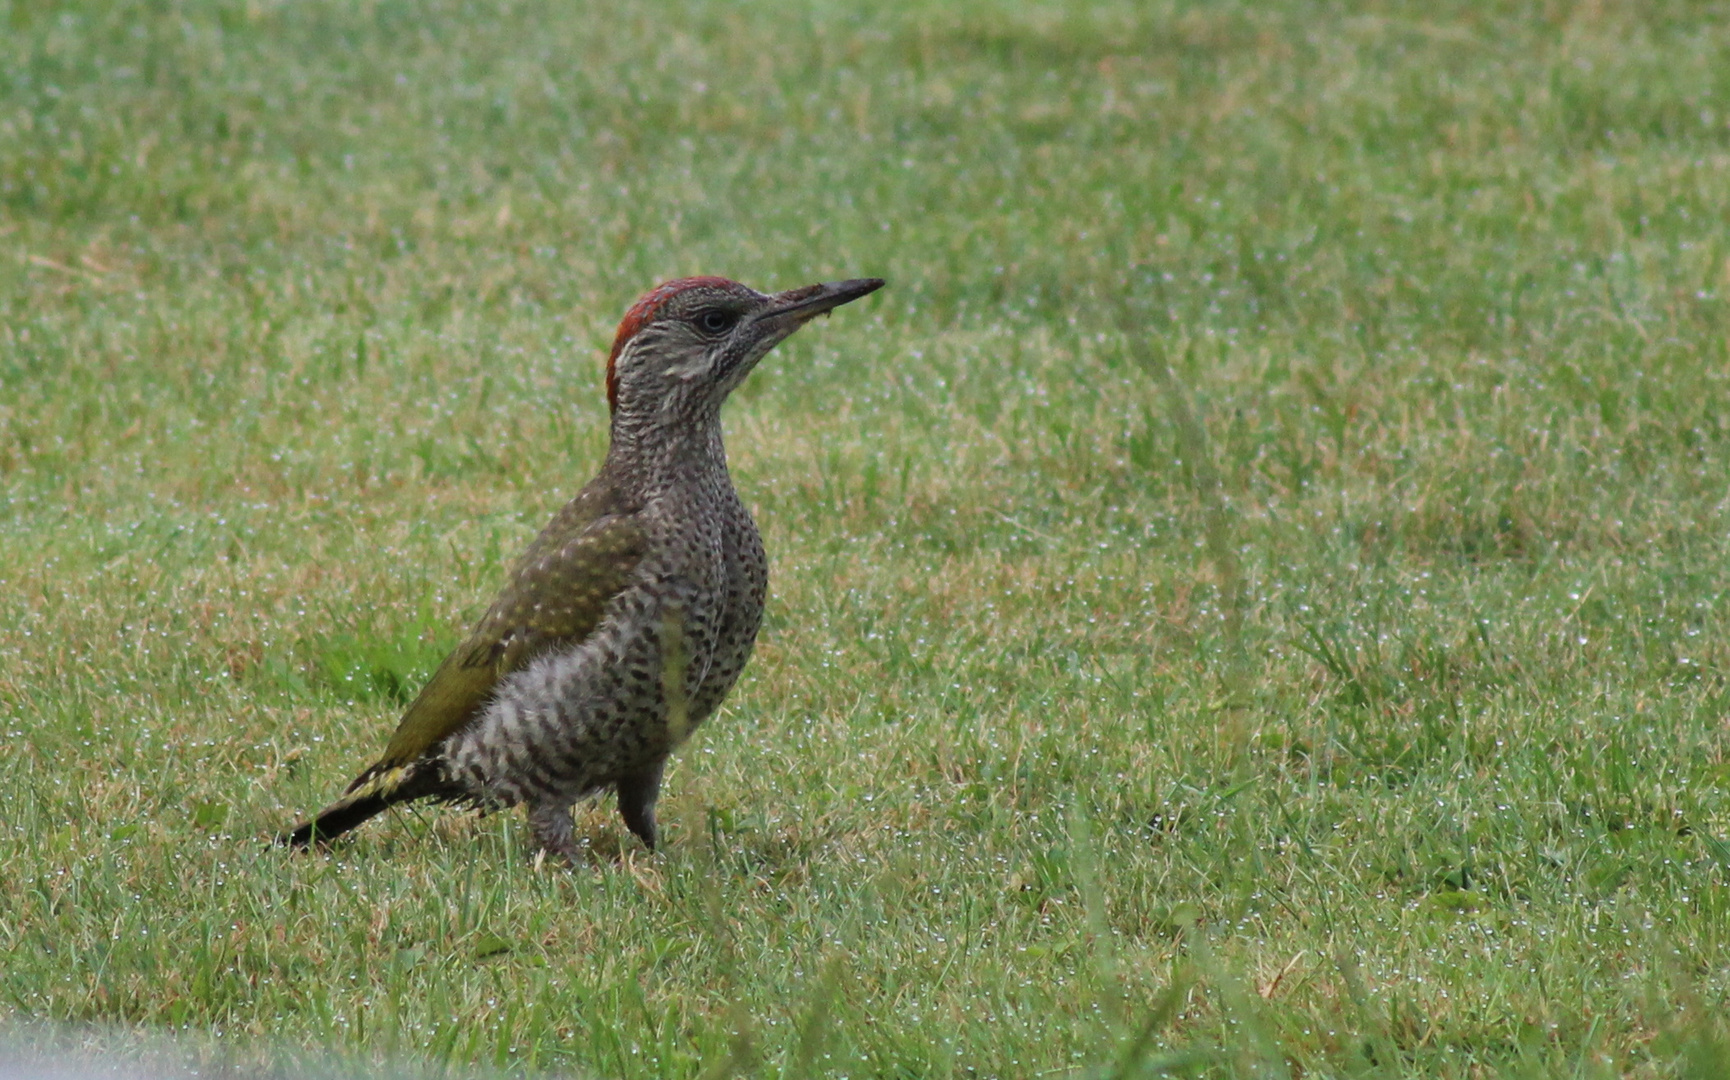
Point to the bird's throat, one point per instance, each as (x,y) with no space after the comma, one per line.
(658,453)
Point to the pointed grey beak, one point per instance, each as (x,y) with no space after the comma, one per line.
(810,301)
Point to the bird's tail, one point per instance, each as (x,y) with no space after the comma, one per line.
(375,791)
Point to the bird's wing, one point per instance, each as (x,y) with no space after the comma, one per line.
(557,594)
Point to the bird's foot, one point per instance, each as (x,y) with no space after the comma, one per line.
(553,833)
(637,795)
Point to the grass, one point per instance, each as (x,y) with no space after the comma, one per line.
(1249,599)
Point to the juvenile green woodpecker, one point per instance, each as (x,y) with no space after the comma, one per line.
(630,616)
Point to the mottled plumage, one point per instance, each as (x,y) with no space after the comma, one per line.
(631,615)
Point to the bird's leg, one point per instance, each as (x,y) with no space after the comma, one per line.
(551,825)
(637,795)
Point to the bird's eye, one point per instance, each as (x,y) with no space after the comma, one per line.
(715,320)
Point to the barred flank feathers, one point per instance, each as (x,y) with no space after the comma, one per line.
(371,795)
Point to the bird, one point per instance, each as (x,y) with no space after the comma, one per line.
(629,617)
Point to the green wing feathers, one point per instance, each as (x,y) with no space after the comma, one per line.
(556,596)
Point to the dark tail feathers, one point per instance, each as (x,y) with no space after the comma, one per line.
(419,780)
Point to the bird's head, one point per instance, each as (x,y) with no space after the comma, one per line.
(686,344)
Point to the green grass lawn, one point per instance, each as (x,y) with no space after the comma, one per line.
(1249,598)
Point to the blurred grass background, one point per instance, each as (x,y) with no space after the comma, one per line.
(1248,598)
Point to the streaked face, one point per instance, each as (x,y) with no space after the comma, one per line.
(690,342)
